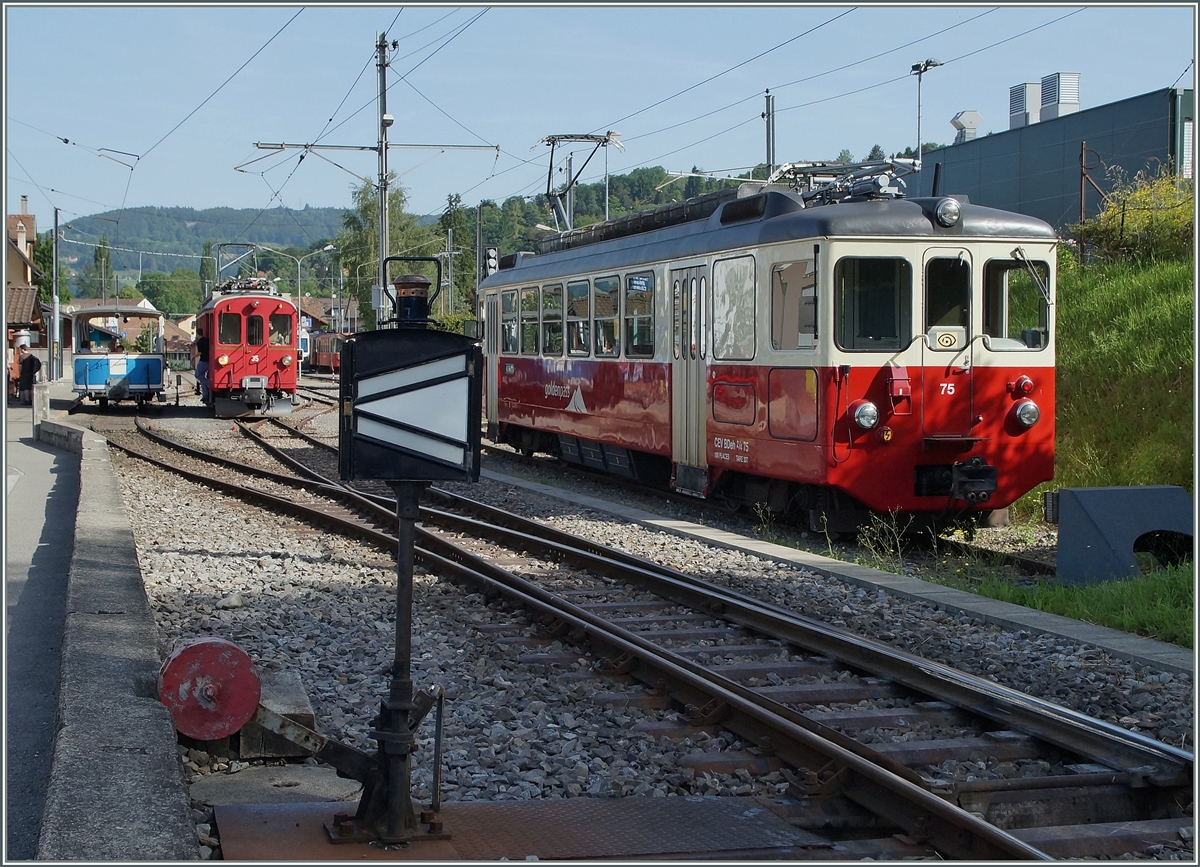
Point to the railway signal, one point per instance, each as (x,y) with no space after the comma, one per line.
(491,260)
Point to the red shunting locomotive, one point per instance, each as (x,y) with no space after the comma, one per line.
(253,354)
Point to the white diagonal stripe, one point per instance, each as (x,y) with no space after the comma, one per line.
(414,442)
(411,375)
(439,409)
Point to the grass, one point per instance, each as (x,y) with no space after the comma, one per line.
(1125,379)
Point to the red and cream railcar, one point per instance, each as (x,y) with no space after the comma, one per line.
(253,352)
(325,351)
(878,354)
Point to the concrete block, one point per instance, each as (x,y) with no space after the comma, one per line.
(282,692)
(1098,528)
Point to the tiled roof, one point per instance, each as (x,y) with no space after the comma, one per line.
(22,303)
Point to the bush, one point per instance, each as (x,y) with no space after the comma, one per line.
(1147,219)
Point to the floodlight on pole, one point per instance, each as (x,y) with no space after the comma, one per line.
(918,70)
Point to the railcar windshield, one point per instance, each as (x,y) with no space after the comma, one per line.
(229,328)
(254,330)
(281,329)
(873,304)
(1016,308)
(794,305)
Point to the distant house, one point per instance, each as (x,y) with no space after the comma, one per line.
(22,311)
(178,343)
(327,314)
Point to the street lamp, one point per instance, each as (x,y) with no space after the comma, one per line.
(918,70)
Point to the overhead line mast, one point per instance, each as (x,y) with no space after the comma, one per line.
(385,121)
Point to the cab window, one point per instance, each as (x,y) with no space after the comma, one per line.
(281,329)
(794,305)
(254,330)
(873,304)
(1016,310)
(229,329)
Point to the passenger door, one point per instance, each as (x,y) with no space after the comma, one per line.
(947,392)
(689,380)
(491,380)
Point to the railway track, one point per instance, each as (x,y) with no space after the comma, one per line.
(871,733)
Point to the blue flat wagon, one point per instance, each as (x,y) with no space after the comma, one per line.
(119,354)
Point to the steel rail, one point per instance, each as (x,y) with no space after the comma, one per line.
(1145,760)
(924,816)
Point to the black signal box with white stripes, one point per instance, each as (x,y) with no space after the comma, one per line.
(411,406)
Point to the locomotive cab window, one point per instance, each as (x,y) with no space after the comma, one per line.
(639,315)
(229,329)
(578,319)
(1016,311)
(606,299)
(508,322)
(281,329)
(947,302)
(529,321)
(794,305)
(552,321)
(254,330)
(873,301)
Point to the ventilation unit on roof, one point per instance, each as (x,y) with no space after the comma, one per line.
(1060,94)
(1024,104)
(967,123)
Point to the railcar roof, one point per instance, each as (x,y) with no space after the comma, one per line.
(783,218)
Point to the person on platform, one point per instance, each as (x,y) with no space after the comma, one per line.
(30,365)
(202,365)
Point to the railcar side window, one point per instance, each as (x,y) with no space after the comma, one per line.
(606,300)
(733,308)
(508,321)
(529,321)
(1015,313)
(229,328)
(552,321)
(578,319)
(639,315)
(281,329)
(794,305)
(254,330)
(873,304)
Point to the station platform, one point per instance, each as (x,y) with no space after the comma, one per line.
(93,771)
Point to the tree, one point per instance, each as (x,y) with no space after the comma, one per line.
(358,243)
(844,157)
(96,279)
(43,277)
(876,154)
(454,218)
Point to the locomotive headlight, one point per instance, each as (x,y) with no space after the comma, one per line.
(1028,413)
(222,359)
(865,414)
(948,212)
(287,360)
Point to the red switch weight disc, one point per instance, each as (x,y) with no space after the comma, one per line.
(211,688)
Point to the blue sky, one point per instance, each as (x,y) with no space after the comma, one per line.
(160,105)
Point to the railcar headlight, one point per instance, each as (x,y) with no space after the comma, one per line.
(865,414)
(222,359)
(287,360)
(1028,413)
(948,212)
